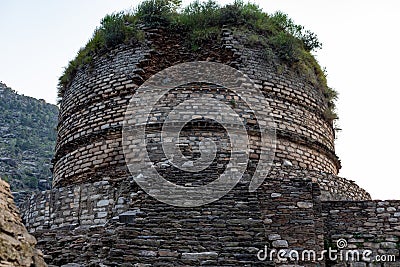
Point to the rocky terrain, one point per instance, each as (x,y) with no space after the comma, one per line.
(17,246)
(27,139)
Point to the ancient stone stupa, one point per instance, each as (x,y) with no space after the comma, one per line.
(144,73)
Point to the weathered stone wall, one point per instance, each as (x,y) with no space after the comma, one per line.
(291,214)
(225,233)
(85,204)
(332,186)
(228,232)
(99,223)
(96,203)
(305,137)
(372,225)
(17,247)
(89,130)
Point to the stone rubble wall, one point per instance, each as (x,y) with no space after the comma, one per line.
(150,233)
(17,246)
(298,107)
(100,223)
(89,129)
(228,232)
(95,203)
(332,187)
(372,225)
(291,215)
(124,224)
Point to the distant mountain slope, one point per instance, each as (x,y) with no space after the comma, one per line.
(27,140)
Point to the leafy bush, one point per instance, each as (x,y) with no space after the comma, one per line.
(285,46)
(308,39)
(239,13)
(199,15)
(199,37)
(154,13)
(113,29)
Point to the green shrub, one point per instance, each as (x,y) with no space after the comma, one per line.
(239,13)
(232,14)
(155,13)
(285,47)
(5,178)
(200,15)
(113,29)
(199,37)
(255,39)
(281,22)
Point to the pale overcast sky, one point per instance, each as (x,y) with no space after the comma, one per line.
(360,52)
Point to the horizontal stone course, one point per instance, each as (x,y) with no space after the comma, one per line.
(82,203)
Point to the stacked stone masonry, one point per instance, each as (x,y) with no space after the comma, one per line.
(229,232)
(91,228)
(365,225)
(95,203)
(93,107)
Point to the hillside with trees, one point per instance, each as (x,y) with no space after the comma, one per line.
(27,140)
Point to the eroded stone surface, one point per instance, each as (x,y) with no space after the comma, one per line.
(17,246)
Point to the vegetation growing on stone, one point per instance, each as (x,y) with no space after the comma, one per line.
(202,22)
